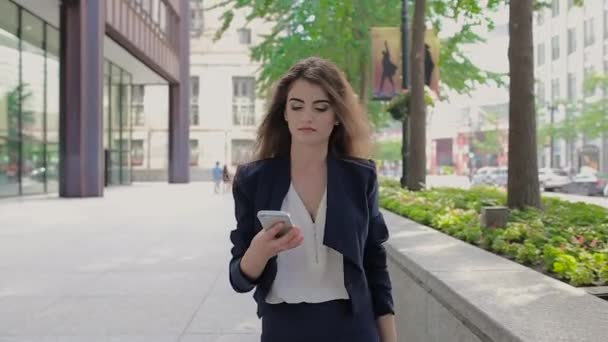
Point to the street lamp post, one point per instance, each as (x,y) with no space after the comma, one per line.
(404,85)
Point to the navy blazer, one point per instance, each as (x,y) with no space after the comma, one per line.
(354,227)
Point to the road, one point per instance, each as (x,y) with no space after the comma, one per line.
(463,182)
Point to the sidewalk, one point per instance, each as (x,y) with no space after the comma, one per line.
(145,263)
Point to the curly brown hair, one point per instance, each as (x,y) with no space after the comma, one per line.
(351,138)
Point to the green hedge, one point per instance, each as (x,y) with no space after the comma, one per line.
(567,240)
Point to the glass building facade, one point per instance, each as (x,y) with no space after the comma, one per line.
(117,124)
(67,75)
(29,108)
(29,103)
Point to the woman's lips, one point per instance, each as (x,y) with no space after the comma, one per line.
(307,129)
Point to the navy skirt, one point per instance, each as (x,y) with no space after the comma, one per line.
(324,322)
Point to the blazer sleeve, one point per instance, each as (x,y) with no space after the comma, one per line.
(241,236)
(374,257)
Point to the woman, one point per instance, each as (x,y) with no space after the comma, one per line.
(327,279)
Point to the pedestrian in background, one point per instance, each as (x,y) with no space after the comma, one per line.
(226,178)
(326,279)
(217,177)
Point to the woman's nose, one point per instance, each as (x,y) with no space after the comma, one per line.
(307,115)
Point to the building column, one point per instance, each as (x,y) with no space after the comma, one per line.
(179,107)
(81,95)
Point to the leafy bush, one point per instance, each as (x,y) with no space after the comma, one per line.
(567,240)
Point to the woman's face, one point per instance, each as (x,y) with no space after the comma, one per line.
(309,114)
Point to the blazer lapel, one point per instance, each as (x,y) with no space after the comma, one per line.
(278,182)
(340,233)
(340,226)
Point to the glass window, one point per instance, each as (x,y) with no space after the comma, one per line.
(194,153)
(9,20)
(243,101)
(555,47)
(555,8)
(137,152)
(241,151)
(137,101)
(540,17)
(194,108)
(146,6)
(162,17)
(589,32)
(589,73)
(154,13)
(244,36)
(194,115)
(571,40)
(106,104)
(555,91)
(9,100)
(33,172)
(125,129)
(540,54)
(540,93)
(114,131)
(571,86)
(605,23)
(52,109)
(196,18)
(194,89)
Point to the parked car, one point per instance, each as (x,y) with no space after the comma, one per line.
(587,182)
(498,176)
(553,179)
(482,176)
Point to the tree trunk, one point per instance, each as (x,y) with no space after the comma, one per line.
(523,187)
(417,128)
(363,91)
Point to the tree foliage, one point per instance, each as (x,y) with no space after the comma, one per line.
(492,142)
(340,31)
(587,116)
(387,150)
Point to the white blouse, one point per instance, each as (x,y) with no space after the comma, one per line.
(311,272)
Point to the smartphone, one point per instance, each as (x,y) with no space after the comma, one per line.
(269,217)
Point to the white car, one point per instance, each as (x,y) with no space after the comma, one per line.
(588,183)
(553,179)
(499,176)
(483,176)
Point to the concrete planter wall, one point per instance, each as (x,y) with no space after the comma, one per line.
(448,290)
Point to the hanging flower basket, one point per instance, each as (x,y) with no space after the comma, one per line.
(398,106)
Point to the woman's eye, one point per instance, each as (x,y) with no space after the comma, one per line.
(296,107)
(321,109)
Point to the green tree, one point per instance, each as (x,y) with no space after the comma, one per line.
(492,141)
(15,99)
(387,150)
(340,31)
(588,117)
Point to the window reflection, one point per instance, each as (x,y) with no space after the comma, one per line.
(33,171)
(9,100)
(52,109)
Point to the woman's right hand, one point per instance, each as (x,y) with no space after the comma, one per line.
(266,245)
